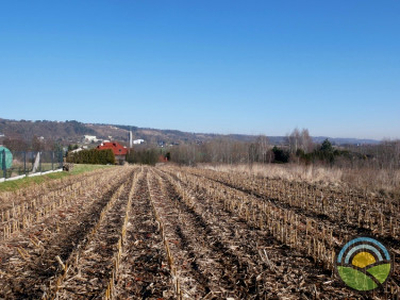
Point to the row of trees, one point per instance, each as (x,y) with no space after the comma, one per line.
(229,151)
(298,148)
(224,151)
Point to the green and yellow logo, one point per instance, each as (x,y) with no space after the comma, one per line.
(364,264)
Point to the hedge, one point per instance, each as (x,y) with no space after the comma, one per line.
(92,156)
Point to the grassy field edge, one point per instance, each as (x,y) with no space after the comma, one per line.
(13,185)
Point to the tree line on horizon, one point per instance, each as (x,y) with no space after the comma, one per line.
(298,148)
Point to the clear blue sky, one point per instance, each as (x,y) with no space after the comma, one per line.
(253,67)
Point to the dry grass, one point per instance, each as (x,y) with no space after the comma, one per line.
(383,181)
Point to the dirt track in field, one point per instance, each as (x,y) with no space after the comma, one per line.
(165,233)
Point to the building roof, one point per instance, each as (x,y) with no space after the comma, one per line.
(117,148)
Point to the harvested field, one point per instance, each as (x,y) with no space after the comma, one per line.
(138,232)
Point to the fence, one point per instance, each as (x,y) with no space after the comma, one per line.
(26,163)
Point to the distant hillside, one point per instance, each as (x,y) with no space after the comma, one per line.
(70,132)
(345,141)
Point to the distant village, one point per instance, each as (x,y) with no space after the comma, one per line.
(88,139)
(119,150)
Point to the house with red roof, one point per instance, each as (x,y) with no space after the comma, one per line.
(118,150)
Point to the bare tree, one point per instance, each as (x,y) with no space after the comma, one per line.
(300,140)
(306,143)
(293,140)
(263,149)
(15,144)
(37,144)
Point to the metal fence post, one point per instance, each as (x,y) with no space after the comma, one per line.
(4,163)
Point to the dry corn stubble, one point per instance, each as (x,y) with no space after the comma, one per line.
(54,236)
(187,233)
(318,239)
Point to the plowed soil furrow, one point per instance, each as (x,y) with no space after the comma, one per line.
(332,218)
(37,210)
(342,231)
(89,276)
(347,194)
(186,250)
(143,272)
(31,262)
(229,273)
(335,204)
(28,194)
(282,266)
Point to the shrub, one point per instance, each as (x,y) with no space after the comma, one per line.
(280,155)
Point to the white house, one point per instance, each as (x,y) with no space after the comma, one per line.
(138,141)
(91,138)
(79,149)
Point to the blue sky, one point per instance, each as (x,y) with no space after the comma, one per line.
(253,67)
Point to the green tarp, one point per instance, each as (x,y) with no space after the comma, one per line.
(8,160)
